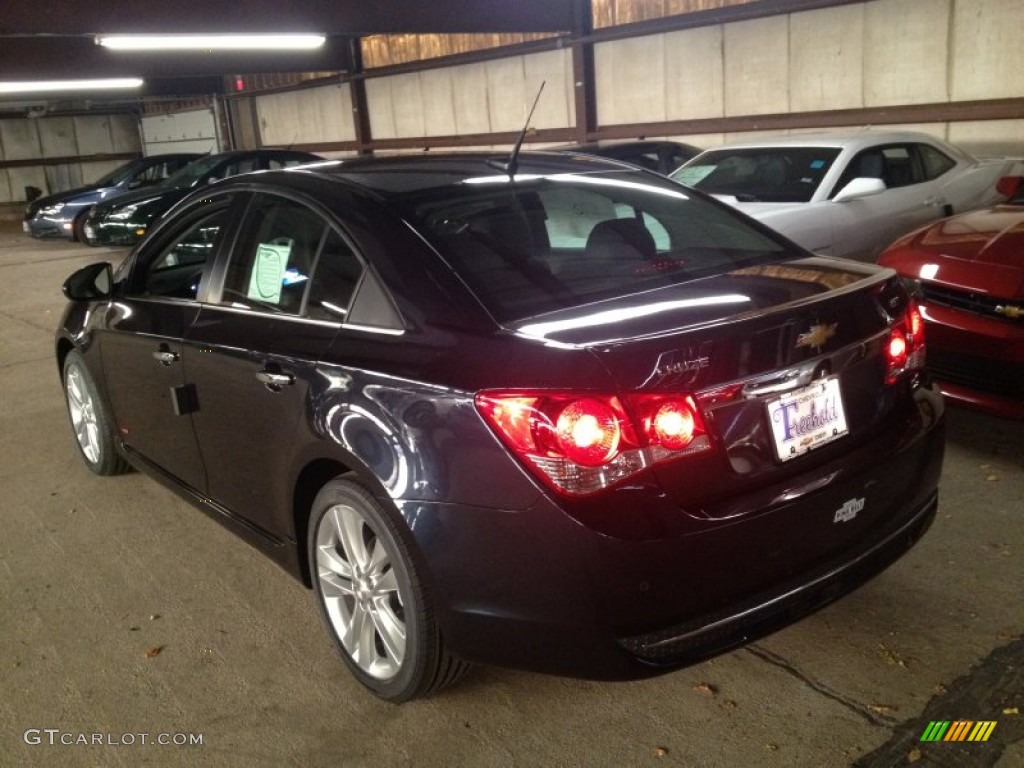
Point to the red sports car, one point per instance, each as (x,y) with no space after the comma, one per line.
(970,271)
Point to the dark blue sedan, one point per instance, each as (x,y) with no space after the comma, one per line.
(62,215)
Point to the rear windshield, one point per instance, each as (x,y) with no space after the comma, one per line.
(552,242)
(760,175)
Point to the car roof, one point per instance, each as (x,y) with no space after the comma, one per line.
(401,174)
(622,144)
(258,152)
(855,140)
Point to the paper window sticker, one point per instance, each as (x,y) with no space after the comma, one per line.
(817,164)
(268,273)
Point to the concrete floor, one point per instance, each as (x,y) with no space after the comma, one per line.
(96,573)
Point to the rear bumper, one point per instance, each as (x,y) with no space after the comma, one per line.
(763,614)
(535,589)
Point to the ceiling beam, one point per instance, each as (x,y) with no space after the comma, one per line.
(337,17)
(60,57)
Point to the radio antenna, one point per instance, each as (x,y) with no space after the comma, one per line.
(512,164)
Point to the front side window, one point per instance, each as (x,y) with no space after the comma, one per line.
(273,261)
(894,164)
(154,174)
(760,175)
(901,167)
(176,269)
(276,163)
(242,166)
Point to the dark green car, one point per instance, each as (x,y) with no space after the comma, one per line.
(124,219)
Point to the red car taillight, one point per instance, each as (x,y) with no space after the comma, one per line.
(905,349)
(581,443)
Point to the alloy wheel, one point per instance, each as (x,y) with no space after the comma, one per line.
(361,592)
(83,415)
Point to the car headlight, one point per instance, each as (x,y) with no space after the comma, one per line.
(124,213)
(52,210)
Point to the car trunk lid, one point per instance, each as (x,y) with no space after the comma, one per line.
(746,345)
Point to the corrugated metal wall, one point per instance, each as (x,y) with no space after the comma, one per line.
(883,53)
(31,142)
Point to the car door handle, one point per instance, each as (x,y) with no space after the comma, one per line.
(933,201)
(165,356)
(274,381)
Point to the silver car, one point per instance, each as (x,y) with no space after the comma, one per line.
(847,194)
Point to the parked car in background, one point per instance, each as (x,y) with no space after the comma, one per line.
(655,155)
(124,219)
(847,194)
(969,271)
(479,409)
(62,214)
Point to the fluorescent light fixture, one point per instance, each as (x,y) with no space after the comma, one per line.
(46,86)
(211,42)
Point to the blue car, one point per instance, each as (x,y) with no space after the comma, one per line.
(60,214)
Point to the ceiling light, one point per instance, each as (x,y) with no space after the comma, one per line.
(211,42)
(43,86)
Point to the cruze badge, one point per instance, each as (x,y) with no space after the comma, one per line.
(817,336)
(684,366)
(848,511)
(680,367)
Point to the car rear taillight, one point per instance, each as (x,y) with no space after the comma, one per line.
(905,348)
(580,443)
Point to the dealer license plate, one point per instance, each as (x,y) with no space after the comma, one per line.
(807,418)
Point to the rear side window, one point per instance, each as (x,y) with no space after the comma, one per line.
(935,162)
(567,240)
(334,281)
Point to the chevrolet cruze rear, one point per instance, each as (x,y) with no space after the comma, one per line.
(573,418)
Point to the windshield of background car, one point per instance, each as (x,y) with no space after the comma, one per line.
(760,175)
(115,176)
(552,242)
(193,171)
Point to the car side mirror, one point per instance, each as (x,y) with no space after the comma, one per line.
(860,187)
(134,183)
(90,283)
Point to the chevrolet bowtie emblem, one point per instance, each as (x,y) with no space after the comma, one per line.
(1014,313)
(817,336)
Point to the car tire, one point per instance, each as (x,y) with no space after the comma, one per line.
(93,429)
(372,597)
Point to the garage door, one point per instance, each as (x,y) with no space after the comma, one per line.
(194,130)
